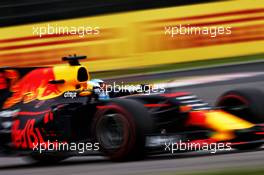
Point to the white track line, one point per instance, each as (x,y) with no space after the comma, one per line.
(209,79)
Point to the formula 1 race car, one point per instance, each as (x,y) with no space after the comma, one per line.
(53,106)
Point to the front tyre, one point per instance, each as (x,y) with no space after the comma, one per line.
(120,127)
(247,104)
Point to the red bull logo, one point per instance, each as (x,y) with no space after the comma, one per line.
(34,85)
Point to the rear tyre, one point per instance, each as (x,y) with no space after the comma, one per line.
(120,127)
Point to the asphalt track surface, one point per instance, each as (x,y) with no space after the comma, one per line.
(160,164)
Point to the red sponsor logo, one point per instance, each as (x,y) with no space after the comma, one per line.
(26,137)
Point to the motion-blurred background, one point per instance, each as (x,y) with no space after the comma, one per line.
(132,33)
(132,43)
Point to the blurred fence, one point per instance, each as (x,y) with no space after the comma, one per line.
(133,39)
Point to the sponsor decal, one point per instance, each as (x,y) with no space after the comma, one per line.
(34,85)
(70,94)
(24,138)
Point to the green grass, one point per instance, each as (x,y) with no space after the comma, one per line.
(177,66)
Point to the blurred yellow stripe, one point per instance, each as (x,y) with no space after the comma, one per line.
(137,38)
